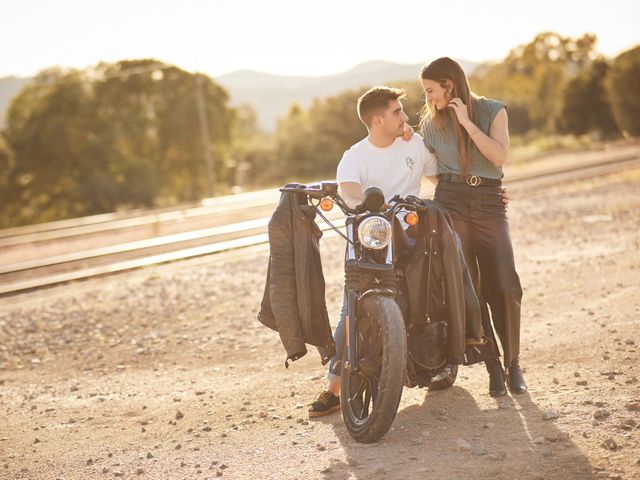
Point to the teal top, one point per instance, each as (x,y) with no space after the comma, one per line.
(443,144)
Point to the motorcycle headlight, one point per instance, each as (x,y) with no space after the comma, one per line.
(374,232)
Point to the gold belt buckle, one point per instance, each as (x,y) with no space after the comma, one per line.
(473,180)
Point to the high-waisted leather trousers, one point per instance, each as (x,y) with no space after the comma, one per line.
(480,219)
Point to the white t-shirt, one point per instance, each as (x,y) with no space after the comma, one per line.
(396,170)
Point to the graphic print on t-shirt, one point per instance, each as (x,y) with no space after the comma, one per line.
(410,162)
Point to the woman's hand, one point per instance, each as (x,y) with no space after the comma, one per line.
(407,132)
(505,197)
(460,110)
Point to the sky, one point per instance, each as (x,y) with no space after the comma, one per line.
(294,37)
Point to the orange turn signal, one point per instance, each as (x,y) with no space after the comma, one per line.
(326,204)
(411,218)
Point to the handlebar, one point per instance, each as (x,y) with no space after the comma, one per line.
(320,190)
(330,189)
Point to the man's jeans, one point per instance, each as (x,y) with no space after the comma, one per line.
(335,365)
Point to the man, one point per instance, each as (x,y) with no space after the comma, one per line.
(385,160)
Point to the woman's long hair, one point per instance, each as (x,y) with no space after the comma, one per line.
(449,74)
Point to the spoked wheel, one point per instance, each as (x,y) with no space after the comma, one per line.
(363,386)
(369,397)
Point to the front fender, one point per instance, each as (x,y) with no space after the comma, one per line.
(387,292)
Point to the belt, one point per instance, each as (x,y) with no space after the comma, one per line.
(471,180)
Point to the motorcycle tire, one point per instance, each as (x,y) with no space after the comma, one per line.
(370,397)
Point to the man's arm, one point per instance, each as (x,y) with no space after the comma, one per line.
(351,192)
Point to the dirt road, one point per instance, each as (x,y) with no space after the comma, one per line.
(166,374)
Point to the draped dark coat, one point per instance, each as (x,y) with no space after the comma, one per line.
(293,303)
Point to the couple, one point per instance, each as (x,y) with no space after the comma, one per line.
(464,143)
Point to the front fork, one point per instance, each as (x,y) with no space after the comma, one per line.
(351,362)
(352,285)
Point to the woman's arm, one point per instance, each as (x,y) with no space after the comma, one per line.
(494,146)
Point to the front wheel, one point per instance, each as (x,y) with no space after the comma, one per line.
(370,397)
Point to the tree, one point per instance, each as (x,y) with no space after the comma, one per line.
(154,118)
(293,153)
(113,136)
(311,142)
(45,132)
(7,163)
(623,88)
(533,77)
(335,126)
(253,159)
(586,107)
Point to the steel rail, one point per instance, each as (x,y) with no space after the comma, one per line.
(521,183)
(206,203)
(148,220)
(247,202)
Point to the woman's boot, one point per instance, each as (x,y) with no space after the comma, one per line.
(497,386)
(515,378)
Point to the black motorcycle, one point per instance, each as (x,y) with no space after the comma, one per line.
(383,351)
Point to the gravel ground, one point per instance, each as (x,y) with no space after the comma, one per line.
(165,373)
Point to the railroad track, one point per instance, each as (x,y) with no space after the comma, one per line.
(121,242)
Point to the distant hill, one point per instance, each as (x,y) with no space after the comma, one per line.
(272,95)
(9,88)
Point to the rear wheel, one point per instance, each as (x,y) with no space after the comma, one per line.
(370,397)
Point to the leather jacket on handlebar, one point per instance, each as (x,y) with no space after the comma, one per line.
(294,297)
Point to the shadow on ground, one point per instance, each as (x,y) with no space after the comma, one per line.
(450,437)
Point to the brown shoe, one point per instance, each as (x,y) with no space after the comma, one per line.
(325,404)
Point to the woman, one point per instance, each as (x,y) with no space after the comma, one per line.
(470,137)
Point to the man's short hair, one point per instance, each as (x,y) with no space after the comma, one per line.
(375,101)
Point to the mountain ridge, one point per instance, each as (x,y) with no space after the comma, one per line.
(271,95)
